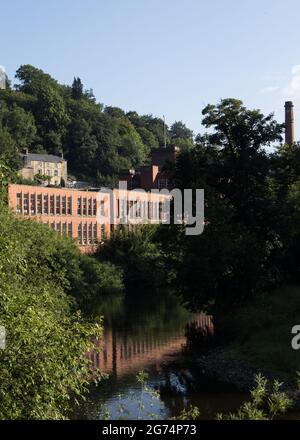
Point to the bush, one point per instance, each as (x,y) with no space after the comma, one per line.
(265,403)
(43,368)
(86,279)
(139,256)
(97,282)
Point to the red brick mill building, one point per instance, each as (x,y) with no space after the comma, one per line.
(89,217)
(73,213)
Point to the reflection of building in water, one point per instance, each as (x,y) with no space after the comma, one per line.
(120,355)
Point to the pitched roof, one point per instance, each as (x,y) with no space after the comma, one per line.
(43,157)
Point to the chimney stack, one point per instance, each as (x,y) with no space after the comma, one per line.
(289,123)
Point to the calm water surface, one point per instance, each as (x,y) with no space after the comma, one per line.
(148,334)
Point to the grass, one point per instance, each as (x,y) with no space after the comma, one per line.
(262,332)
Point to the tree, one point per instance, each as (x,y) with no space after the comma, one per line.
(241,136)
(77,88)
(180,131)
(82,148)
(147,137)
(114,112)
(138,255)
(8,150)
(97,141)
(44,366)
(51,118)
(156,126)
(130,145)
(50,112)
(21,126)
(48,107)
(32,80)
(285,187)
(234,257)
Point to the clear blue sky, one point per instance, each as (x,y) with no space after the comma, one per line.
(162,56)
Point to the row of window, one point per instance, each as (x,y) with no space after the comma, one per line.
(87,233)
(64,229)
(87,206)
(44,204)
(32,204)
(48,172)
(40,164)
(140,209)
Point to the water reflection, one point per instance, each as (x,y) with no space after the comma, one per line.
(124,354)
(142,333)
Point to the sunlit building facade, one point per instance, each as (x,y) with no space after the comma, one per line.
(88,217)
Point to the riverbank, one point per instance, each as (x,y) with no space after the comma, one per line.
(261,332)
(237,372)
(219,365)
(259,336)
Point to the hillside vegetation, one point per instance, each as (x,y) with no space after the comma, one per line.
(97,140)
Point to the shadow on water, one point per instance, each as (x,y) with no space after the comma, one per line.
(148,333)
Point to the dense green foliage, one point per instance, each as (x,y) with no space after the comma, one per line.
(139,256)
(44,360)
(98,141)
(43,367)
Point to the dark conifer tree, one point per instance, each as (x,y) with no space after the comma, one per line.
(77,88)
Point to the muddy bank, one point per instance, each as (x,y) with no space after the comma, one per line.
(217,365)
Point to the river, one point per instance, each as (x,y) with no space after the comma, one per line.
(147,333)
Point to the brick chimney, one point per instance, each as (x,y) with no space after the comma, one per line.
(289,123)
